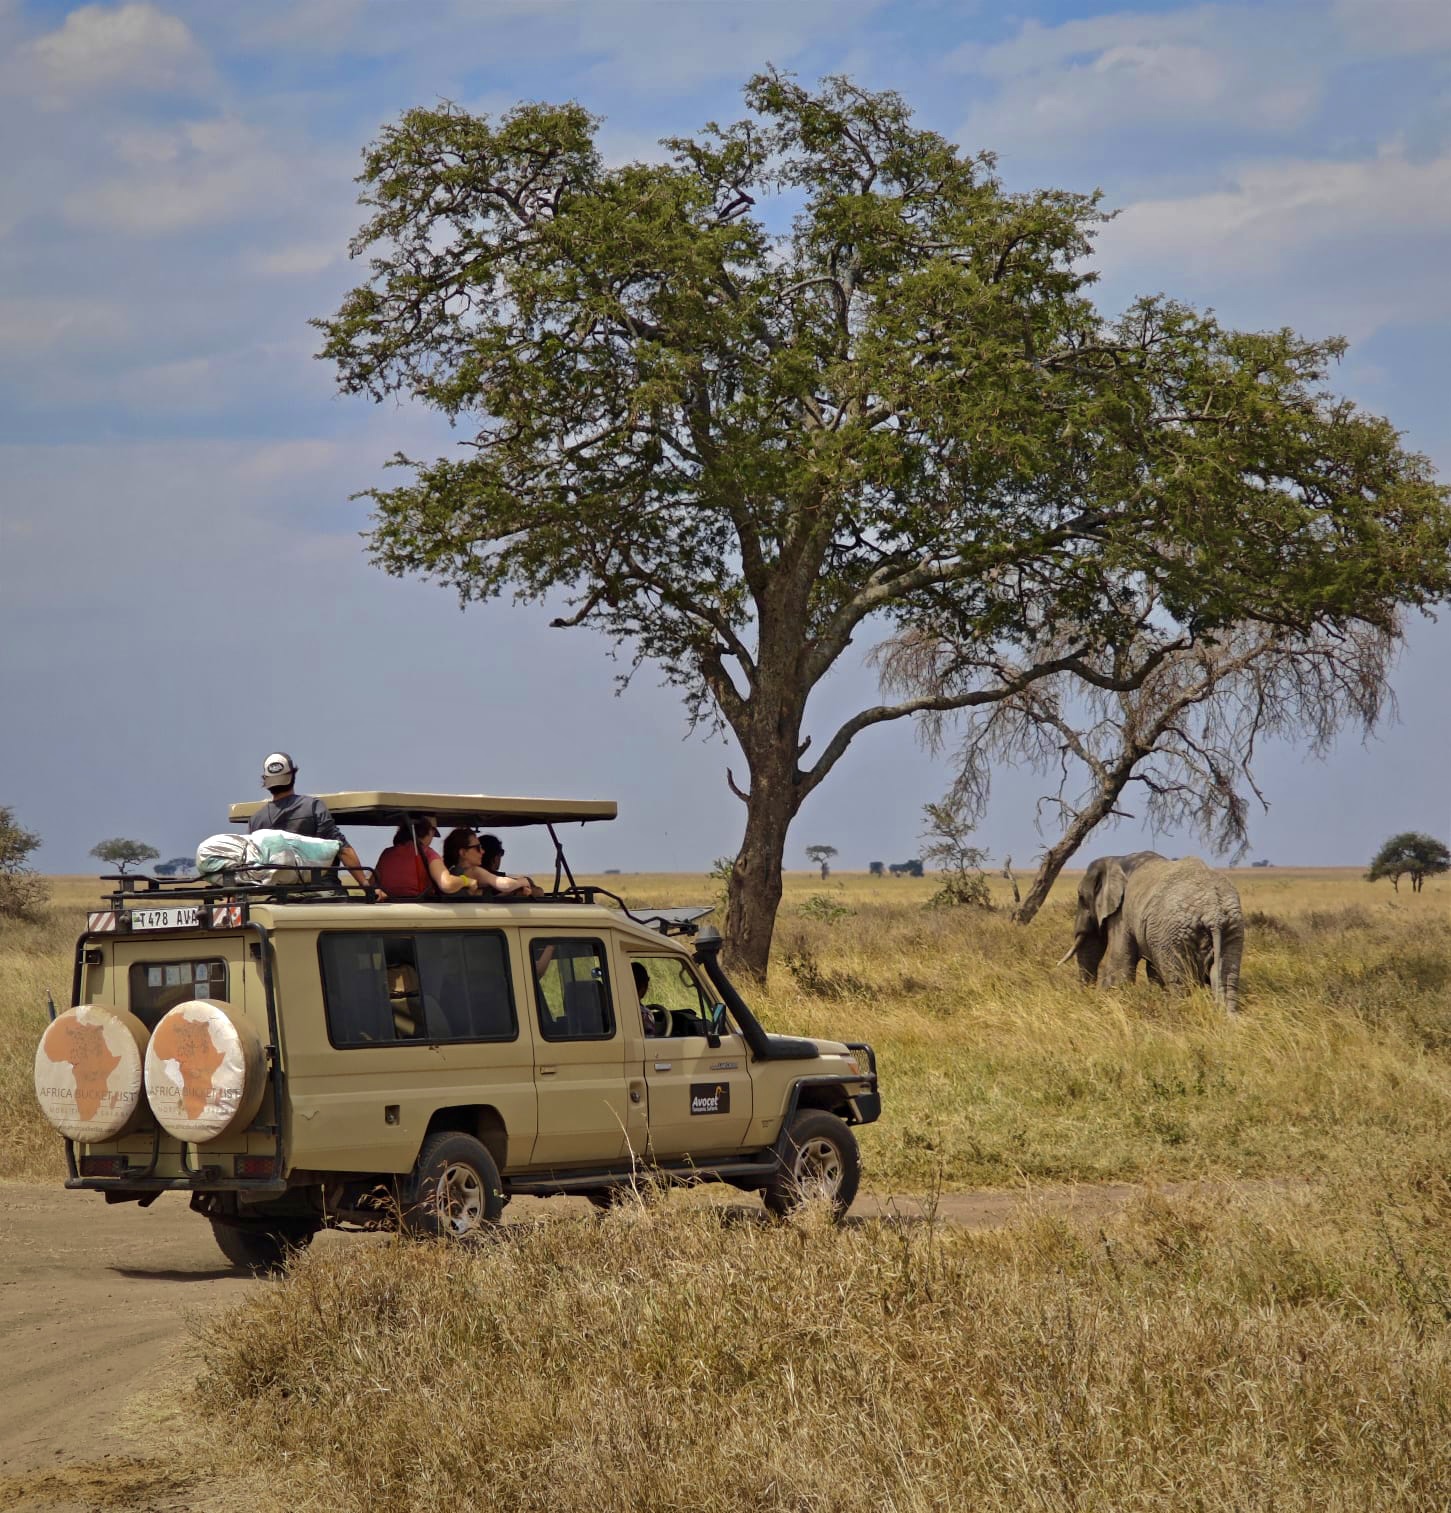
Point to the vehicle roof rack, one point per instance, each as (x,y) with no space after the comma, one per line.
(482,810)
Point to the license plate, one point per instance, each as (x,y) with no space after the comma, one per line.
(176,917)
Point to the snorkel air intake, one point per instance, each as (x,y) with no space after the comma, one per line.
(762,1046)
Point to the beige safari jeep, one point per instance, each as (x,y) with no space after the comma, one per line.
(296,1056)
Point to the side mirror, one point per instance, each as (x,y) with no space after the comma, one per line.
(715,1024)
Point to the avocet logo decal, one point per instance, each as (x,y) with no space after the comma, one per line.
(710,1098)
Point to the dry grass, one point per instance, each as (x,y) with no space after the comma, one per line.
(1283,1346)
(997,1067)
(1289,1354)
(35,959)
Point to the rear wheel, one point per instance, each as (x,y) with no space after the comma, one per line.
(456,1192)
(646,1188)
(263,1248)
(822,1162)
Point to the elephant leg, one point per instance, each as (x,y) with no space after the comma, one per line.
(1120,960)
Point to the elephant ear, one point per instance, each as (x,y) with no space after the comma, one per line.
(1109,895)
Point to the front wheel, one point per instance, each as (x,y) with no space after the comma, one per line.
(455,1192)
(822,1161)
(263,1248)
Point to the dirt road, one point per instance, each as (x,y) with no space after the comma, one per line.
(94,1303)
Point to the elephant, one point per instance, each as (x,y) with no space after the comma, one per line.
(1180,918)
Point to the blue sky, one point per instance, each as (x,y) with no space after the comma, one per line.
(182,586)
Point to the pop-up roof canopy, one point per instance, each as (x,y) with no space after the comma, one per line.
(484,811)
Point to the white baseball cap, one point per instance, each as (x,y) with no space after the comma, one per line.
(278,770)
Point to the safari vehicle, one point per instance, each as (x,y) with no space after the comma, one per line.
(295,1055)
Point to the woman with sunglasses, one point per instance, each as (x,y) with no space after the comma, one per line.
(478,858)
(411,868)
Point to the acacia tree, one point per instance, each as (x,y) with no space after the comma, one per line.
(734,449)
(121,854)
(1411,851)
(820,856)
(1183,736)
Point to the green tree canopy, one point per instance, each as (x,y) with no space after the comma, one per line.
(1413,852)
(22,890)
(820,375)
(121,854)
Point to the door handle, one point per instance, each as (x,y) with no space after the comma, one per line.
(547,1071)
(663,1066)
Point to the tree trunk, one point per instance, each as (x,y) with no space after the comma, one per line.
(1056,857)
(771,745)
(755,885)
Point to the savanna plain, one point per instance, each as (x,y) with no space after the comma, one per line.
(1265,1325)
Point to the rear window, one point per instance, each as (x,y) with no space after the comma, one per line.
(436,986)
(157,986)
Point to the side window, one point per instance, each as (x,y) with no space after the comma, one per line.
(670,985)
(355,989)
(432,987)
(572,989)
(465,983)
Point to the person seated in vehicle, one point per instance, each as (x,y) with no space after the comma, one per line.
(479,858)
(405,999)
(656,1021)
(411,868)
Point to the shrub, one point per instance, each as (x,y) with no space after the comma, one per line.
(825,909)
(23,892)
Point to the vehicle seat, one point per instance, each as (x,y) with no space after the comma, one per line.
(436,1023)
(584,1009)
(406,1001)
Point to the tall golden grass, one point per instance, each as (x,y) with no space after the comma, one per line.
(35,961)
(1280,1345)
(998,1067)
(1211,1352)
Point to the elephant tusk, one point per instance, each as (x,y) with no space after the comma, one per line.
(1067,956)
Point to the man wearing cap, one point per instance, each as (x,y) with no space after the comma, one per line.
(302,814)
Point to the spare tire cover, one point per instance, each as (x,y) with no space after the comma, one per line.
(88,1072)
(205,1070)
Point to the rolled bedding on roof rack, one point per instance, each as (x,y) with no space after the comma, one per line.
(264,857)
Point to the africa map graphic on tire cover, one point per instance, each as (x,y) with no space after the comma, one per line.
(205,1070)
(88,1072)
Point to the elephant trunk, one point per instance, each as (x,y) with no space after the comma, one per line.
(1087,950)
(1223,975)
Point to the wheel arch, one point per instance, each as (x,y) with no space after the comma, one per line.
(828,1096)
(481,1120)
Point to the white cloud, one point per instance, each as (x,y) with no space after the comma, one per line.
(200,173)
(1211,65)
(290,460)
(670,49)
(1349,245)
(1396,28)
(298,259)
(50,323)
(133,46)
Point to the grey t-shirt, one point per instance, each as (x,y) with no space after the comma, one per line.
(301,814)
